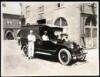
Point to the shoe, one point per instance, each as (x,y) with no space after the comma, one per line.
(32,57)
(28,57)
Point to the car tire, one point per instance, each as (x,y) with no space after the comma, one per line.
(64,56)
(25,49)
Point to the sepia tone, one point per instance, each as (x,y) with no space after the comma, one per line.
(78,19)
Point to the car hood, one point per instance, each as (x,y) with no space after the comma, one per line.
(65,43)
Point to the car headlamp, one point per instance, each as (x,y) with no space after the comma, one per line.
(80,46)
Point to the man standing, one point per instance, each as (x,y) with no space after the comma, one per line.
(83,40)
(31,41)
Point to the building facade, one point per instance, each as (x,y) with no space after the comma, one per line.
(11,26)
(79,20)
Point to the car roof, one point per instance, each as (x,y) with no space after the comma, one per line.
(54,27)
(42,25)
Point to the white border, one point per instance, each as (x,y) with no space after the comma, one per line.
(2,72)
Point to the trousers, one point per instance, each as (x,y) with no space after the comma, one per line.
(31,49)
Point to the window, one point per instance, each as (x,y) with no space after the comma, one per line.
(8,21)
(58,4)
(87,32)
(57,22)
(27,11)
(41,16)
(19,22)
(4,5)
(90,26)
(41,8)
(94,32)
(87,22)
(61,22)
(64,23)
(91,19)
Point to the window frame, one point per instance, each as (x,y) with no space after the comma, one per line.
(60,20)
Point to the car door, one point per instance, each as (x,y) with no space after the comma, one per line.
(48,45)
(38,44)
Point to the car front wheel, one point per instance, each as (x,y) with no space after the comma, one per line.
(64,56)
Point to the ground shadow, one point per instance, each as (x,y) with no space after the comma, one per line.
(72,62)
(82,60)
(53,58)
(75,61)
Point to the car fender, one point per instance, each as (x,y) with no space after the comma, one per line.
(62,46)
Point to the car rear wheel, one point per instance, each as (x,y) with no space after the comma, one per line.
(25,49)
(64,56)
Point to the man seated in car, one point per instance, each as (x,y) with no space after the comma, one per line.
(64,37)
(45,36)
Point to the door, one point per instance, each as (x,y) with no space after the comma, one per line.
(38,44)
(91,36)
(49,45)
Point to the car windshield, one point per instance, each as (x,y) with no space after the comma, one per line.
(52,32)
(57,33)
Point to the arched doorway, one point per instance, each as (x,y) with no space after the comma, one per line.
(61,22)
(9,35)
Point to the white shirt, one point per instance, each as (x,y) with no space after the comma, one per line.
(45,37)
(31,38)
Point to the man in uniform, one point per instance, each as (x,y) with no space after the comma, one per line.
(31,41)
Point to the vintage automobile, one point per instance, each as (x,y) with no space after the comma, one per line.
(65,51)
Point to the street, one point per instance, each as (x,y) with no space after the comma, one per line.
(15,63)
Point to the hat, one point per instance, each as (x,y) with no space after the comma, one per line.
(64,34)
(31,31)
(45,31)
